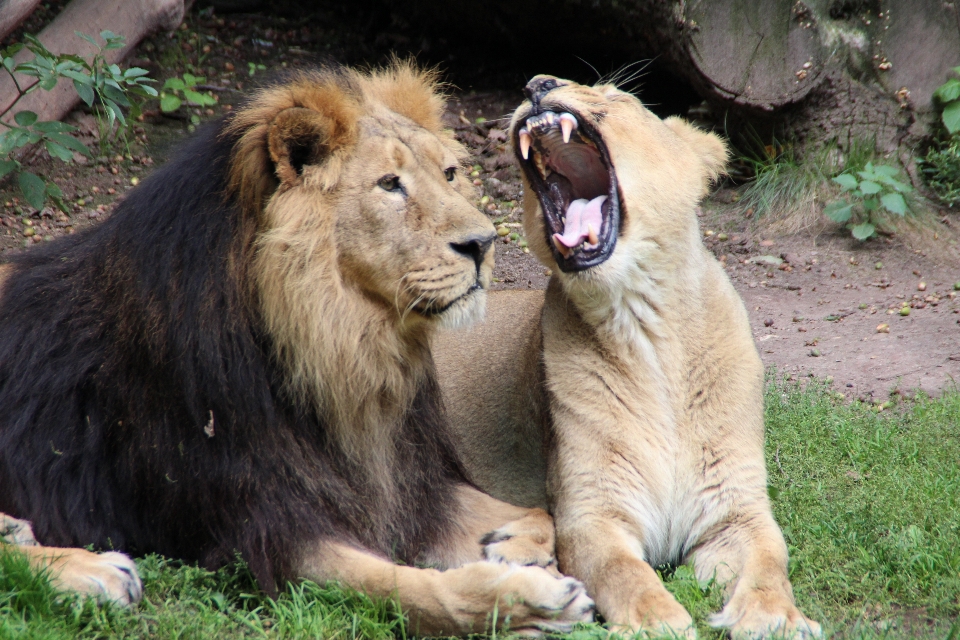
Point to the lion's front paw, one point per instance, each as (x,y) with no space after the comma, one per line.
(537,603)
(759,619)
(108,577)
(528,541)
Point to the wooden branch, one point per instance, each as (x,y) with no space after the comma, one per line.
(133,19)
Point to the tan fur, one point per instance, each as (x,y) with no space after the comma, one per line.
(5,271)
(109,577)
(345,273)
(654,389)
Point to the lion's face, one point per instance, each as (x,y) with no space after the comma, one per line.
(361,187)
(406,232)
(606,180)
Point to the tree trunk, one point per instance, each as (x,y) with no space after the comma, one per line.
(810,71)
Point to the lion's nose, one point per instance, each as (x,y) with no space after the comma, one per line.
(475,247)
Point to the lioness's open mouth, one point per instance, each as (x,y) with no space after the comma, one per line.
(569,169)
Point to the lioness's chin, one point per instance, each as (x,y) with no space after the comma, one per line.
(567,165)
(466,311)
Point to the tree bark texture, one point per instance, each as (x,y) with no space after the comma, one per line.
(812,70)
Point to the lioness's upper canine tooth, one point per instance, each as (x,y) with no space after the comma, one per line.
(592,235)
(567,123)
(525,140)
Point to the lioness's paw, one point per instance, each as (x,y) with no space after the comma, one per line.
(654,613)
(538,603)
(528,541)
(757,621)
(108,577)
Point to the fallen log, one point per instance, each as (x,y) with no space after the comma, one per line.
(13,12)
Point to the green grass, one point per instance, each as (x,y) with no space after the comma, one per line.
(869,503)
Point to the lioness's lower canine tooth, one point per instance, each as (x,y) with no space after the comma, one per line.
(525,140)
(562,248)
(567,123)
(592,235)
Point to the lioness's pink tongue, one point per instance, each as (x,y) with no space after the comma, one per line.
(582,217)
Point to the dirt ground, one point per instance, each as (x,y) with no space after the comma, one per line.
(820,303)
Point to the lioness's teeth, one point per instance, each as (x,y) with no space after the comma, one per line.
(592,235)
(525,140)
(541,167)
(563,249)
(567,123)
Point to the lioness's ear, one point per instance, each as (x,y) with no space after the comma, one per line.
(711,149)
(298,137)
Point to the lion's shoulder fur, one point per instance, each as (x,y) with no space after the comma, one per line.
(146,402)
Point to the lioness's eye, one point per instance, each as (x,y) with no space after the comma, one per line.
(389,182)
(450,173)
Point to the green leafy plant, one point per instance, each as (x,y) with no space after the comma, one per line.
(96,82)
(253,68)
(108,84)
(178,91)
(941,170)
(867,191)
(941,164)
(948,95)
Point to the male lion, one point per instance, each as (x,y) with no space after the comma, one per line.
(238,360)
(637,371)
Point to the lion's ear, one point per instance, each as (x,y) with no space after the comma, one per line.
(711,149)
(298,137)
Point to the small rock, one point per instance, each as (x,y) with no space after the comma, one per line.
(883,328)
(878,266)
(904,311)
(922,286)
(768,322)
(767,243)
(815,353)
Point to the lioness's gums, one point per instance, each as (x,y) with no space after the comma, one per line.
(635,382)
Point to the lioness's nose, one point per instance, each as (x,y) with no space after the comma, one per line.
(475,247)
(539,87)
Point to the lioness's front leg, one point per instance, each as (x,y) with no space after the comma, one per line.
(108,576)
(749,556)
(610,561)
(472,598)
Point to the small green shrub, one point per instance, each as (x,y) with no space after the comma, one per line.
(177,91)
(941,170)
(96,82)
(948,96)
(867,191)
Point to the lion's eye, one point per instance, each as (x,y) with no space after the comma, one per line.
(450,173)
(389,182)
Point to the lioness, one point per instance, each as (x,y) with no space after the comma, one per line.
(633,387)
(238,360)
